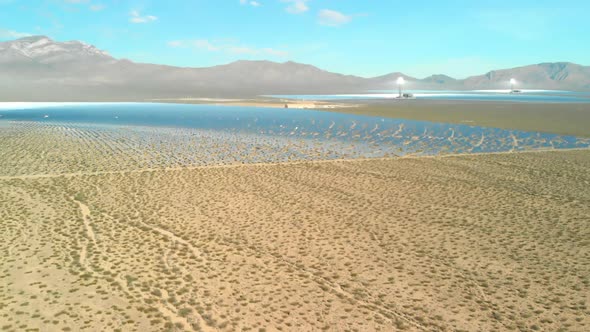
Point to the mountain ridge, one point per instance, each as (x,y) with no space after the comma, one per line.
(39,68)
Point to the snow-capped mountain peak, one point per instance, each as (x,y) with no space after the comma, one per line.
(43,49)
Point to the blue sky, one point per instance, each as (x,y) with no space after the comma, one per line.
(366,38)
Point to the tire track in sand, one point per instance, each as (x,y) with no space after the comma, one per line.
(85,210)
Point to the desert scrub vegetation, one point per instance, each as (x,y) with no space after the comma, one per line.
(467,243)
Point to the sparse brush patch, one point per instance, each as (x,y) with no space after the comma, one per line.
(80,197)
(184,312)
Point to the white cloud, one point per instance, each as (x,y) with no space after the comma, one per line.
(226,47)
(250,3)
(296,6)
(11,34)
(333,18)
(136,17)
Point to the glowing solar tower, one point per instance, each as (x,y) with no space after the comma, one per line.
(400,84)
(512,84)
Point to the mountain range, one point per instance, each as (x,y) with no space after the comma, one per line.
(38,68)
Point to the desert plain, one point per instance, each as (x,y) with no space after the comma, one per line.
(91,240)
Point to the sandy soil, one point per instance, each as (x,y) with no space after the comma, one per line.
(459,243)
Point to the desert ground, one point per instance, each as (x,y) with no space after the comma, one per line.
(92,239)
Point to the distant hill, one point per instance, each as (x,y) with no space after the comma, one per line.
(559,75)
(39,68)
(440,80)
